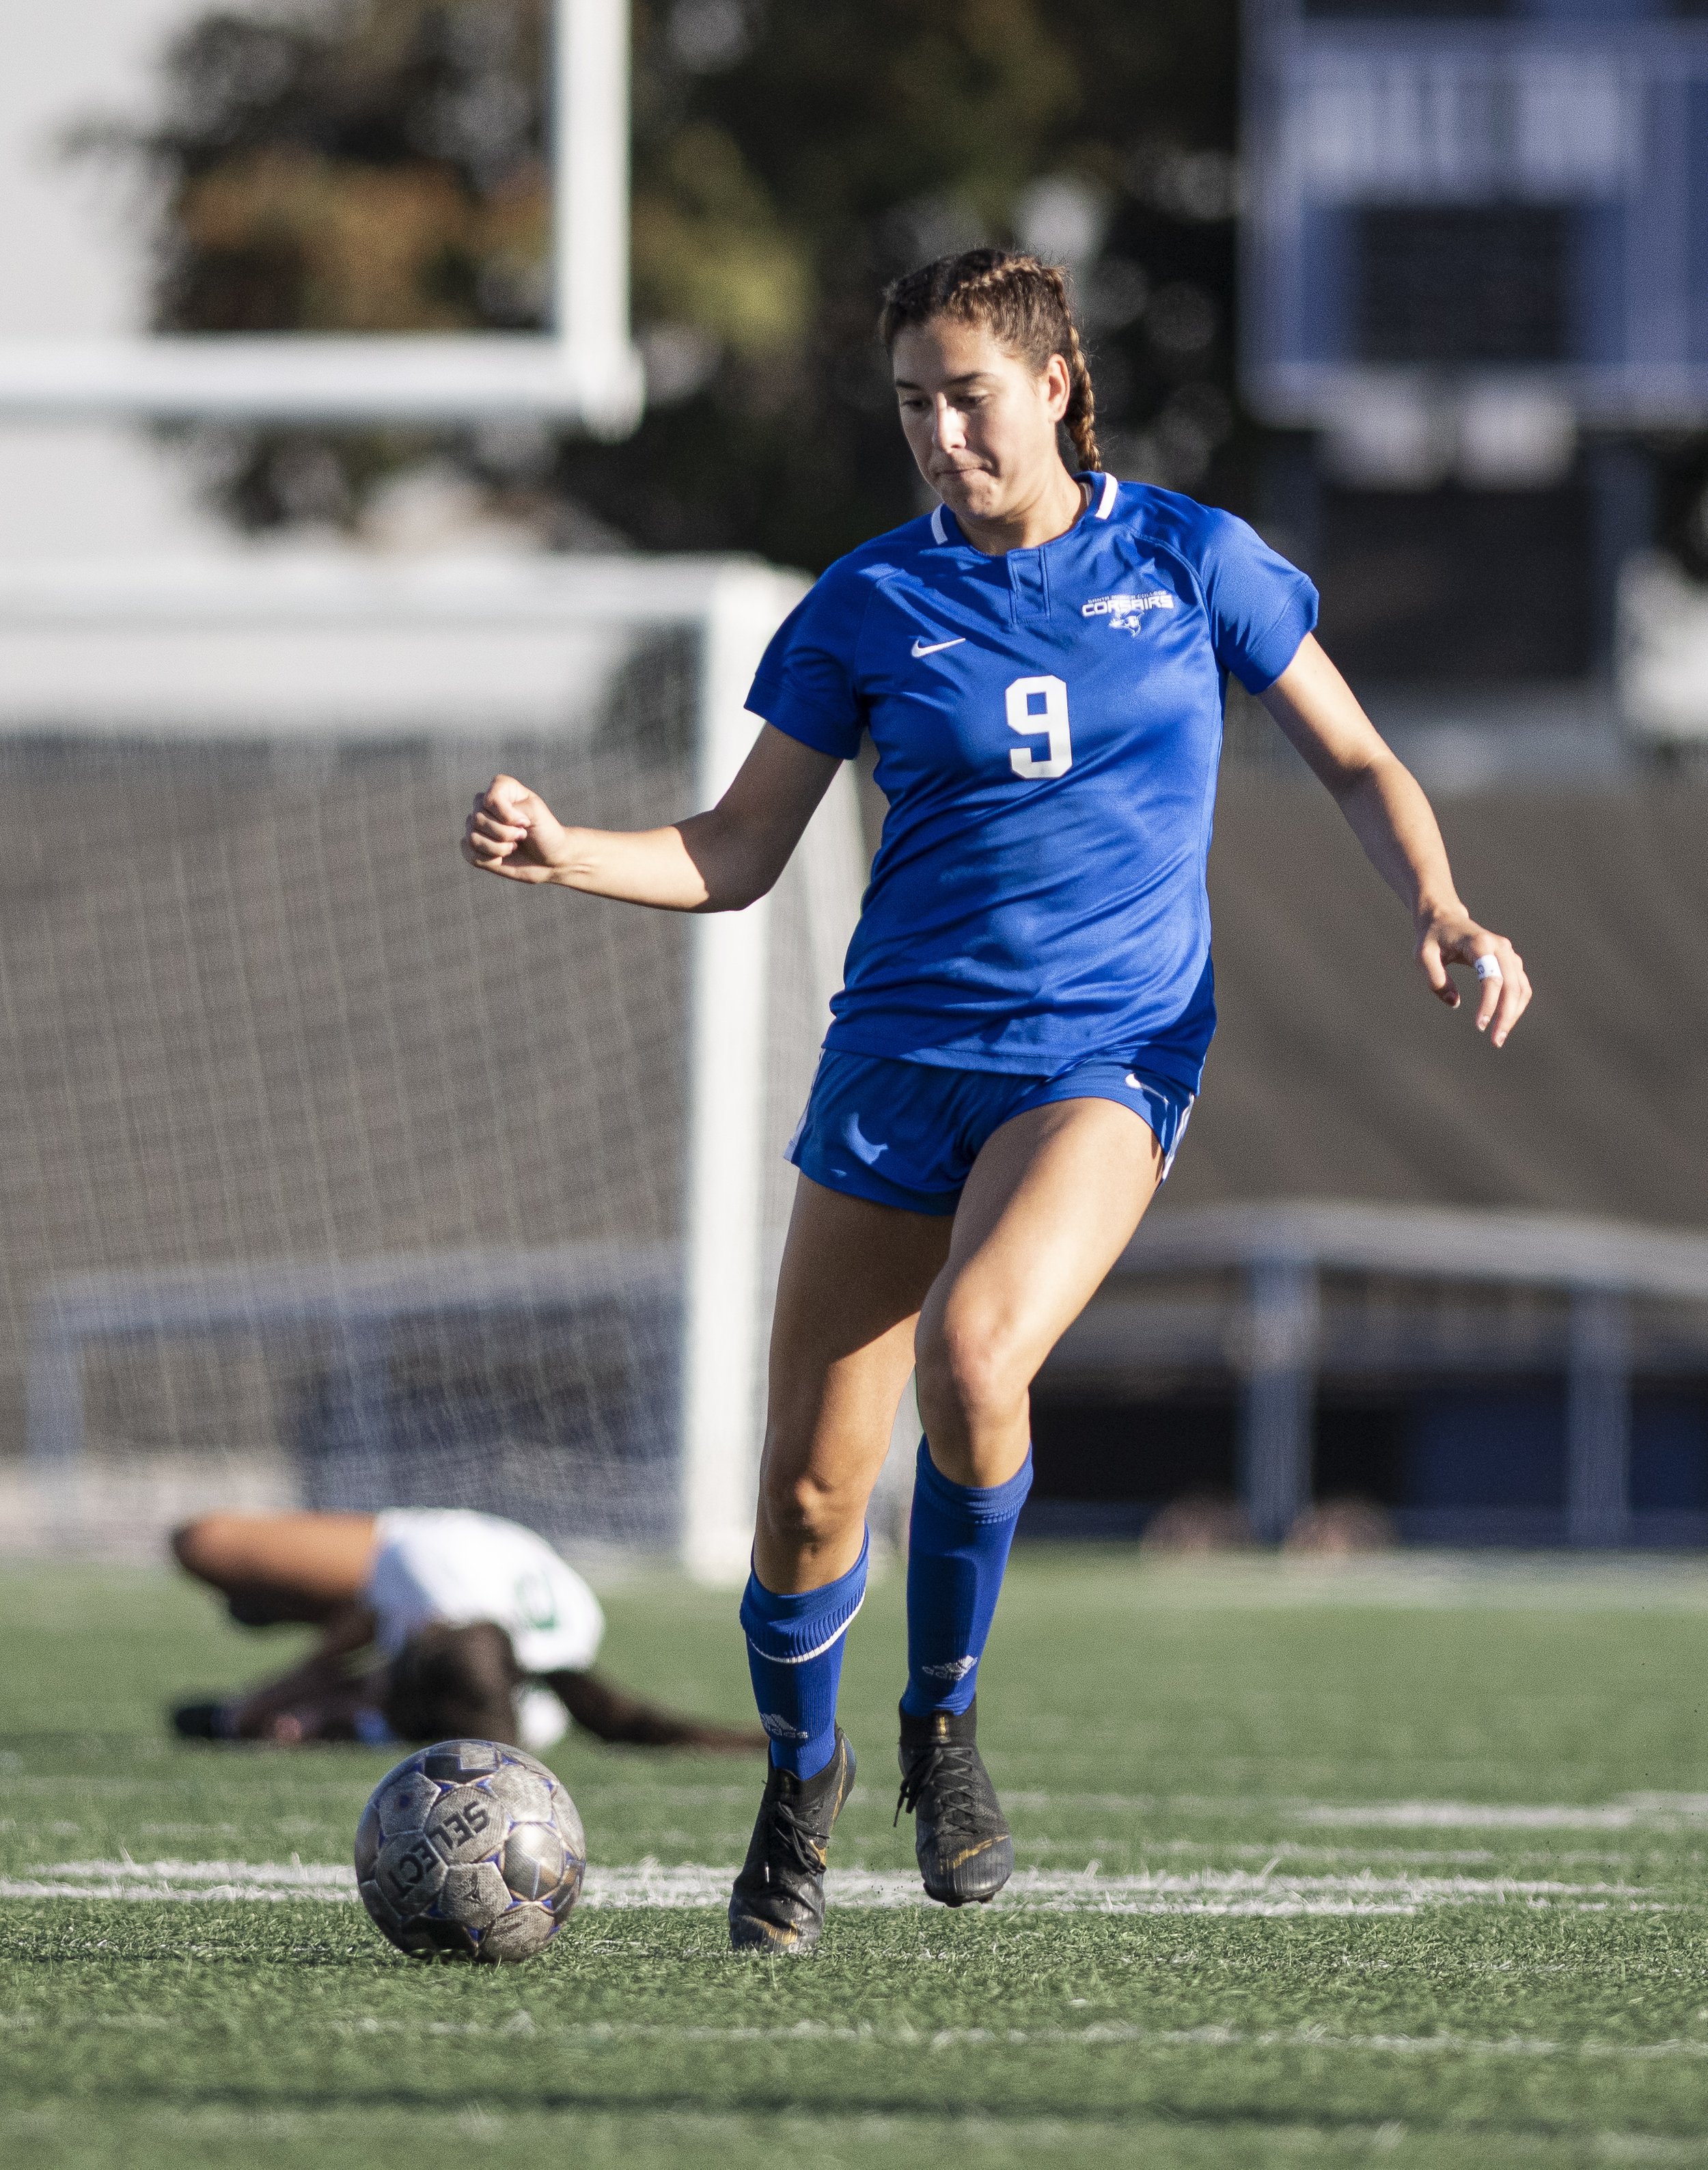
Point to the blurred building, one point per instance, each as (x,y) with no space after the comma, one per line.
(1475,305)
(1476,285)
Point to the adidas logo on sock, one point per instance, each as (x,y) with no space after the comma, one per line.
(779,1728)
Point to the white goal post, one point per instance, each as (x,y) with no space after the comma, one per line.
(586,372)
(249,1177)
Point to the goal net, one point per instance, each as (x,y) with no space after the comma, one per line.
(334,1174)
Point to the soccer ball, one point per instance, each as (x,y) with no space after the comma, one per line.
(471,1850)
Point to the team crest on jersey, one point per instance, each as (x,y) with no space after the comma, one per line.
(1127,614)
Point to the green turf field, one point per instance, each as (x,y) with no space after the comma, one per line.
(1399,1863)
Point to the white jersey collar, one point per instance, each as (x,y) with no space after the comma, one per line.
(1105,506)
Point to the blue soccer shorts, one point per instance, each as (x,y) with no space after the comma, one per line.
(906,1134)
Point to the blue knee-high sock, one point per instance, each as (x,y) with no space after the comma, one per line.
(794,1653)
(957,1548)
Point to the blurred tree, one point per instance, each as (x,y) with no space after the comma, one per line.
(376,165)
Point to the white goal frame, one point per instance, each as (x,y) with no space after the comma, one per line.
(732,607)
(586,372)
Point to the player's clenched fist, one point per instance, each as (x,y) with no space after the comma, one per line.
(513,831)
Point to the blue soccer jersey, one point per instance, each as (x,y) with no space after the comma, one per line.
(1047,725)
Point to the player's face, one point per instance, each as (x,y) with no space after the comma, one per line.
(979,420)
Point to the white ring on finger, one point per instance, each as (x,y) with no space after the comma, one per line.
(1488,966)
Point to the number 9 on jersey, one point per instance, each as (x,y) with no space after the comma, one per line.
(1038,708)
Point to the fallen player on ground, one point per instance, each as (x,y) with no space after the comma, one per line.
(434,1624)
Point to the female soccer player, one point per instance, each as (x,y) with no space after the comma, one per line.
(461,1611)
(1041,663)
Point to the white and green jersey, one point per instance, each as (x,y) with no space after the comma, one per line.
(445,1563)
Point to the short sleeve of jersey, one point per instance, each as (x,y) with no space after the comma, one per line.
(1261,608)
(804,685)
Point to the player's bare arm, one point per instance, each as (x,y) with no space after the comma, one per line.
(1385,806)
(318,1697)
(719,861)
(599,1706)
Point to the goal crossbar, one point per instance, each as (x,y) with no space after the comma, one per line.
(291,588)
(310,377)
(586,372)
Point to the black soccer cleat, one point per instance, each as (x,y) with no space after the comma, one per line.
(960,1836)
(778,1902)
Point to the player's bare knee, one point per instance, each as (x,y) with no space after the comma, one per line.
(802,1512)
(971,1373)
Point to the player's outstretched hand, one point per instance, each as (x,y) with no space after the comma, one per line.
(512,832)
(1504,986)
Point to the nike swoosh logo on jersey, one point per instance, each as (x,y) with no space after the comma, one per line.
(938,647)
(1137,1083)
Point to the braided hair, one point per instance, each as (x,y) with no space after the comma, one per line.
(1025,304)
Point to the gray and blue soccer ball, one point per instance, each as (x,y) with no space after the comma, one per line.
(470,1850)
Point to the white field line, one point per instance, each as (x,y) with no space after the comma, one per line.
(1631,1811)
(1098,2034)
(1114,2032)
(1110,2032)
(650,1884)
(900,2035)
(256,1881)
(1449,1582)
(295,1872)
(1662,1814)
(1087,1892)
